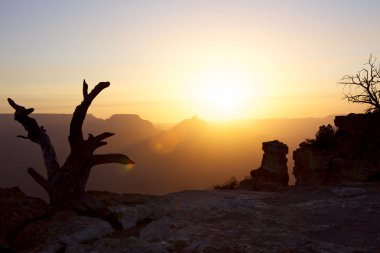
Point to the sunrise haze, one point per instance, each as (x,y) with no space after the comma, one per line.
(170,60)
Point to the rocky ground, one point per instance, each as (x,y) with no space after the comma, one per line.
(338,219)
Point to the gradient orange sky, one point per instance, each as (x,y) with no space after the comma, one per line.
(170,60)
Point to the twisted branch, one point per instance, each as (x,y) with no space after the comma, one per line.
(76,135)
(37,135)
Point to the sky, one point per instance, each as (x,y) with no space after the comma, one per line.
(170,60)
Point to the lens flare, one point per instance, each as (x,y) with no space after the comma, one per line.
(167,142)
(129,167)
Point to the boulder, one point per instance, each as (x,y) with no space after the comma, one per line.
(130,216)
(273,172)
(65,228)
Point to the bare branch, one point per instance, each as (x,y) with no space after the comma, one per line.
(39,179)
(23,137)
(103,136)
(366,84)
(97,144)
(37,135)
(85,89)
(97,141)
(76,135)
(20,110)
(110,158)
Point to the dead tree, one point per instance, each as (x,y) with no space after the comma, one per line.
(66,184)
(364,86)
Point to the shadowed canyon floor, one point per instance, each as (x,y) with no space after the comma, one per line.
(340,219)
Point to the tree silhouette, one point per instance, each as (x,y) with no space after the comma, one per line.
(364,86)
(66,184)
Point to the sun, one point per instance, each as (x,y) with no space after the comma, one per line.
(221,96)
(222,93)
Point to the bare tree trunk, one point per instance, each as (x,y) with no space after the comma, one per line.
(66,184)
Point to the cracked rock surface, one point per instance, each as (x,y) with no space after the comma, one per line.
(344,218)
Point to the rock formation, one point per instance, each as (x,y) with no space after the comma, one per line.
(273,172)
(353,153)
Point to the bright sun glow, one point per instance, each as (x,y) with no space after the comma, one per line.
(223,93)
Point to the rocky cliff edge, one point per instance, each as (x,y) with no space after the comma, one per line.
(337,219)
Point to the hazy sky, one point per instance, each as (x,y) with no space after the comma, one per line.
(169,60)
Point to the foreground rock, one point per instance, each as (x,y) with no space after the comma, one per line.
(350,154)
(16,211)
(65,229)
(273,172)
(339,219)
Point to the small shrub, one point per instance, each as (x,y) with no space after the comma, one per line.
(325,138)
(229,185)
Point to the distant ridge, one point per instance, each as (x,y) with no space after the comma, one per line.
(193,154)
